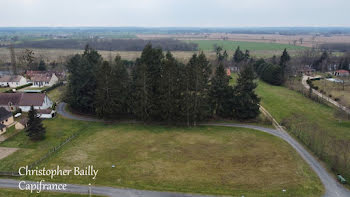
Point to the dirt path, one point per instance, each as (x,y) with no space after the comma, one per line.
(319,94)
(4,152)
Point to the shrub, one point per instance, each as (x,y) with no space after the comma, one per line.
(52,87)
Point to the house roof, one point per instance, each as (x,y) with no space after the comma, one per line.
(342,71)
(10,78)
(2,126)
(31,73)
(41,77)
(44,111)
(22,99)
(4,114)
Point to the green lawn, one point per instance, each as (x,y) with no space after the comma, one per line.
(212,160)
(58,129)
(316,125)
(56,94)
(17,193)
(207,45)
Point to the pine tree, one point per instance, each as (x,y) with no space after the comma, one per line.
(42,65)
(35,130)
(238,56)
(140,99)
(246,102)
(170,89)
(220,93)
(198,72)
(146,84)
(284,58)
(105,91)
(152,58)
(82,84)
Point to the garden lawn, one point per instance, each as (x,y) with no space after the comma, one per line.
(57,130)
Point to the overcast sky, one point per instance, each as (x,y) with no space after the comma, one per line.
(175,13)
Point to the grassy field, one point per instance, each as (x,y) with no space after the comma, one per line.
(318,126)
(335,89)
(208,45)
(213,160)
(56,94)
(17,193)
(58,130)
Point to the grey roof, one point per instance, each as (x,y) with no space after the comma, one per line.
(4,114)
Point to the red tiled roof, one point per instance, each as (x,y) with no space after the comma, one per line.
(41,77)
(22,99)
(342,71)
(44,111)
(10,78)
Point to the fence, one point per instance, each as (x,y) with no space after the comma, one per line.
(47,155)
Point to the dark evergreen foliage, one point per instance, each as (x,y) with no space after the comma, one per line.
(246,102)
(35,129)
(221,93)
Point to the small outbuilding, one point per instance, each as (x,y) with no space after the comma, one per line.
(341,73)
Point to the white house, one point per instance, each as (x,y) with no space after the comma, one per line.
(46,113)
(13,101)
(12,81)
(41,80)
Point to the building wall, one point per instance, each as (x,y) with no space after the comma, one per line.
(3,130)
(7,121)
(19,126)
(53,80)
(46,104)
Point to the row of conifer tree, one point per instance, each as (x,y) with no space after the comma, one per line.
(158,87)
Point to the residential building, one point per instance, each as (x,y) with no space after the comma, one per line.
(42,80)
(12,81)
(46,113)
(21,124)
(341,73)
(6,120)
(23,101)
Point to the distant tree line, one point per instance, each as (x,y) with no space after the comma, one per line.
(342,47)
(159,88)
(110,44)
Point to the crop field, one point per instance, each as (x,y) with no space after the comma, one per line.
(208,45)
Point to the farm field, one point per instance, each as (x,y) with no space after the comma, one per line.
(208,45)
(336,90)
(212,160)
(60,55)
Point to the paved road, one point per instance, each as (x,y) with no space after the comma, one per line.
(61,109)
(325,97)
(105,191)
(333,188)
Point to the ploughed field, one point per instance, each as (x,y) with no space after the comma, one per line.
(204,159)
